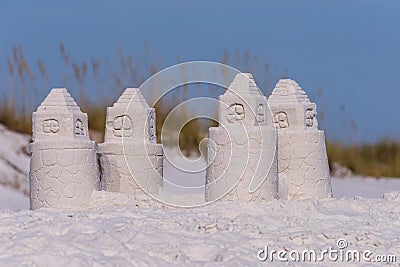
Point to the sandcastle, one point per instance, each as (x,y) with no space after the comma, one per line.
(63,169)
(130,147)
(263,149)
(303,168)
(242,150)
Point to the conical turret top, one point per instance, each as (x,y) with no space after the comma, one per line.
(288,91)
(130,117)
(132,96)
(243,83)
(291,107)
(59,118)
(243,103)
(58,99)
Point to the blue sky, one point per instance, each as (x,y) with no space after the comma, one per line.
(350,49)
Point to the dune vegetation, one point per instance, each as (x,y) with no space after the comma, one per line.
(27,84)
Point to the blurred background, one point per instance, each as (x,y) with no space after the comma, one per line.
(345,55)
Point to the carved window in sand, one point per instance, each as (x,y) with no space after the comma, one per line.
(235,113)
(281,120)
(260,113)
(152,126)
(122,126)
(50,126)
(310,116)
(79,128)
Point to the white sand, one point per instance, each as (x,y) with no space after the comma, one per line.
(364,186)
(226,232)
(14,160)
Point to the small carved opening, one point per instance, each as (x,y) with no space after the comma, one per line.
(152,126)
(79,129)
(260,113)
(122,126)
(235,113)
(310,116)
(281,120)
(50,126)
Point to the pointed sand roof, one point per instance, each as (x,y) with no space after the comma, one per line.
(244,83)
(59,99)
(288,91)
(131,97)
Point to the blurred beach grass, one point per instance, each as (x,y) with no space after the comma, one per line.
(21,97)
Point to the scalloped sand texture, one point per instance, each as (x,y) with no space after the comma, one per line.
(63,169)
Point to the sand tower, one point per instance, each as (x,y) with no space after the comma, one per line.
(242,150)
(131,160)
(302,160)
(63,170)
